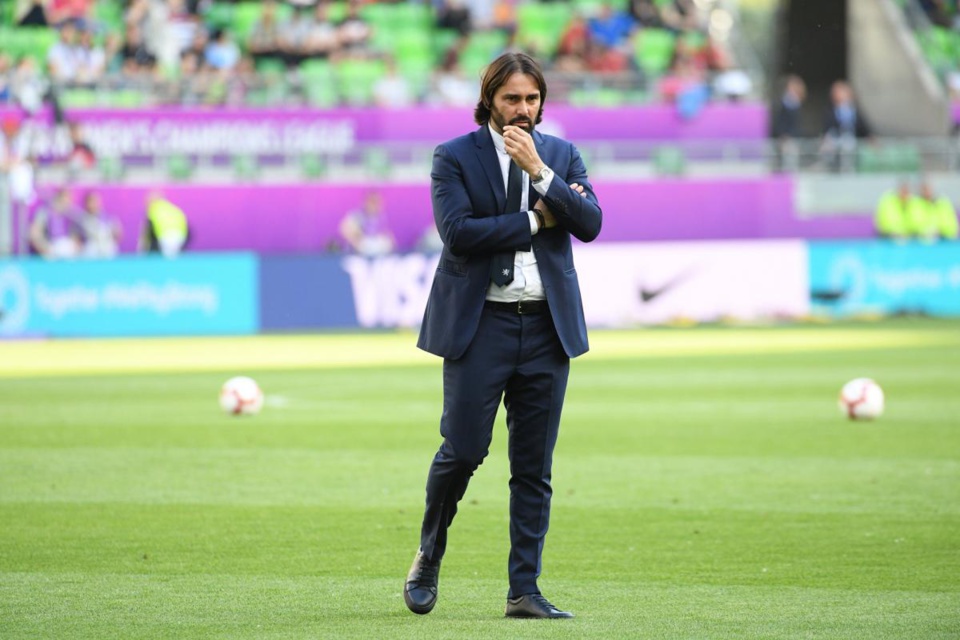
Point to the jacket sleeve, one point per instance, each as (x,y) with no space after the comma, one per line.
(463,230)
(579,215)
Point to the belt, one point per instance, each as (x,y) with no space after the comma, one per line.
(521,307)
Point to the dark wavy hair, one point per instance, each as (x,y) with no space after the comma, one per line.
(497,74)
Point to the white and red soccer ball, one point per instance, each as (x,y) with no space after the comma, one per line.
(861,399)
(241,396)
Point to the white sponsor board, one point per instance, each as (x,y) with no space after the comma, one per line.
(655,283)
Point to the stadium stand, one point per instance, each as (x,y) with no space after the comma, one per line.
(411,33)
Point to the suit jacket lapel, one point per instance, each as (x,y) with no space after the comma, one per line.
(487,154)
(532,194)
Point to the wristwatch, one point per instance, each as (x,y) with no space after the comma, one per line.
(542,175)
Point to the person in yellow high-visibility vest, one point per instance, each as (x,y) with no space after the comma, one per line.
(891,219)
(166,230)
(937,219)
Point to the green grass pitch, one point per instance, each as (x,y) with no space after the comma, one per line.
(706,486)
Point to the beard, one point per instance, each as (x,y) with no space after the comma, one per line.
(500,121)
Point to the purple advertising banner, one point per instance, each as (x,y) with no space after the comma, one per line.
(292,131)
(305,218)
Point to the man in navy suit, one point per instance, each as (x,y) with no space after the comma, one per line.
(505,314)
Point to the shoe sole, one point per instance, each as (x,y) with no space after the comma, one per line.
(417,609)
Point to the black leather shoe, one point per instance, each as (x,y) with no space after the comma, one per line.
(420,592)
(533,605)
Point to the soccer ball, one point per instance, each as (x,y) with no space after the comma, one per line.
(861,399)
(241,396)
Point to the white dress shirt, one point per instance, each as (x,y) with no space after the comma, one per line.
(526,283)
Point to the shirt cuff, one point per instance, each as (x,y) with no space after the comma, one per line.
(534,227)
(543,186)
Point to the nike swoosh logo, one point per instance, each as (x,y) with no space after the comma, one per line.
(828,295)
(651,294)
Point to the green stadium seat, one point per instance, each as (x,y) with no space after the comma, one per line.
(653,50)
(245,16)
(890,158)
(486,44)
(245,167)
(111,168)
(179,167)
(218,15)
(79,98)
(125,98)
(355,79)
(376,162)
(312,166)
(669,160)
(441,40)
(539,26)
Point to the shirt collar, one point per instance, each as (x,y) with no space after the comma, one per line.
(498,142)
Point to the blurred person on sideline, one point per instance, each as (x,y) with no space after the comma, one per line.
(55,230)
(505,314)
(932,217)
(365,229)
(787,124)
(101,233)
(81,155)
(18,169)
(844,125)
(892,217)
(166,230)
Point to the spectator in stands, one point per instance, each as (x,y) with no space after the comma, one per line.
(55,232)
(28,87)
(91,61)
(603,59)
(77,11)
(455,16)
(264,39)
(681,15)
(137,58)
(573,47)
(165,230)
(645,13)
(353,30)
(892,218)
(222,54)
(365,229)
(685,85)
(610,28)
(294,32)
(843,126)
(64,57)
(323,37)
(193,80)
(393,90)
(81,155)
(787,124)
(6,78)
(35,15)
(449,85)
(101,233)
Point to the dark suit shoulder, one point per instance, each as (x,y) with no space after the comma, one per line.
(455,145)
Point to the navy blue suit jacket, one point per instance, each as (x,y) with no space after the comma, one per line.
(468,203)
